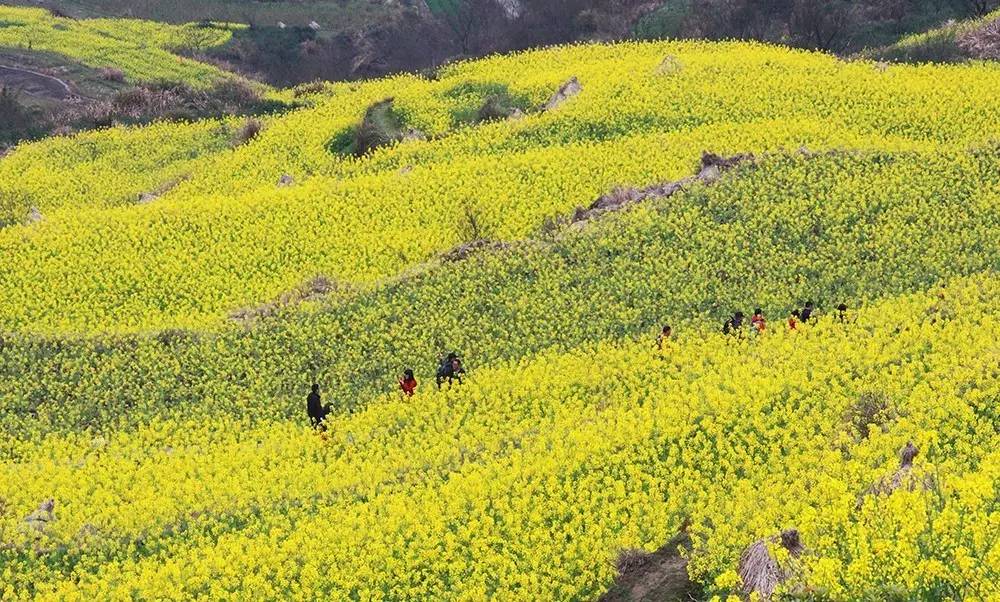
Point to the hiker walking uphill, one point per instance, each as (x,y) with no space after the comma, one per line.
(315,408)
(450,369)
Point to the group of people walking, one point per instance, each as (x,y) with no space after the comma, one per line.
(758,323)
(450,366)
(734,325)
(449,370)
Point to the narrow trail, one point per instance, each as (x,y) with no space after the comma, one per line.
(35,83)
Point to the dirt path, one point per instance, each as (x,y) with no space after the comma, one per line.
(34,83)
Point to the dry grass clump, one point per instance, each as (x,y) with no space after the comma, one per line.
(983,42)
(906,477)
(313,289)
(630,560)
(759,569)
(566,91)
(110,74)
(250,129)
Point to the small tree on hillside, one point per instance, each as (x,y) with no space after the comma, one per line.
(478,25)
(979,8)
(820,24)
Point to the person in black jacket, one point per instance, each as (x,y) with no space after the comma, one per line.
(807,312)
(842,313)
(734,325)
(317,411)
(450,369)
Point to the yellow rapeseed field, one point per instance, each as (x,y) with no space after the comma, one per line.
(142,50)
(168,296)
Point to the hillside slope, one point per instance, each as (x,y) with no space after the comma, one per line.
(971,39)
(639,119)
(170,291)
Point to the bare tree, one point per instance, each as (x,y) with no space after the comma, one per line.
(820,24)
(478,25)
(980,8)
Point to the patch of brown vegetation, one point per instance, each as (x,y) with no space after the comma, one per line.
(906,477)
(982,43)
(566,91)
(712,168)
(110,74)
(313,289)
(648,576)
(873,408)
(760,571)
(250,129)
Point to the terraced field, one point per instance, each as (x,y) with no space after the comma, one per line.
(167,297)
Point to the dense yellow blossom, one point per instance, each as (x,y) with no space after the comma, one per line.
(524,483)
(142,50)
(359,221)
(172,441)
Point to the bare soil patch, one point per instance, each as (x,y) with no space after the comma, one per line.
(660,576)
(34,83)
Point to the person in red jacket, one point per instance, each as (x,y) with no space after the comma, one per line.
(757,322)
(408,384)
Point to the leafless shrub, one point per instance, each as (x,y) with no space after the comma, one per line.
(872,408)
(111,74)
(760,571)
(251,128)
(982,43)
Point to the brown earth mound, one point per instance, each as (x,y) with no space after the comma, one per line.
(659,576)
(712,167)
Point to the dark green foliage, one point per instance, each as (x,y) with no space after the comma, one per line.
(485,101)
(17,121)
(381,126)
